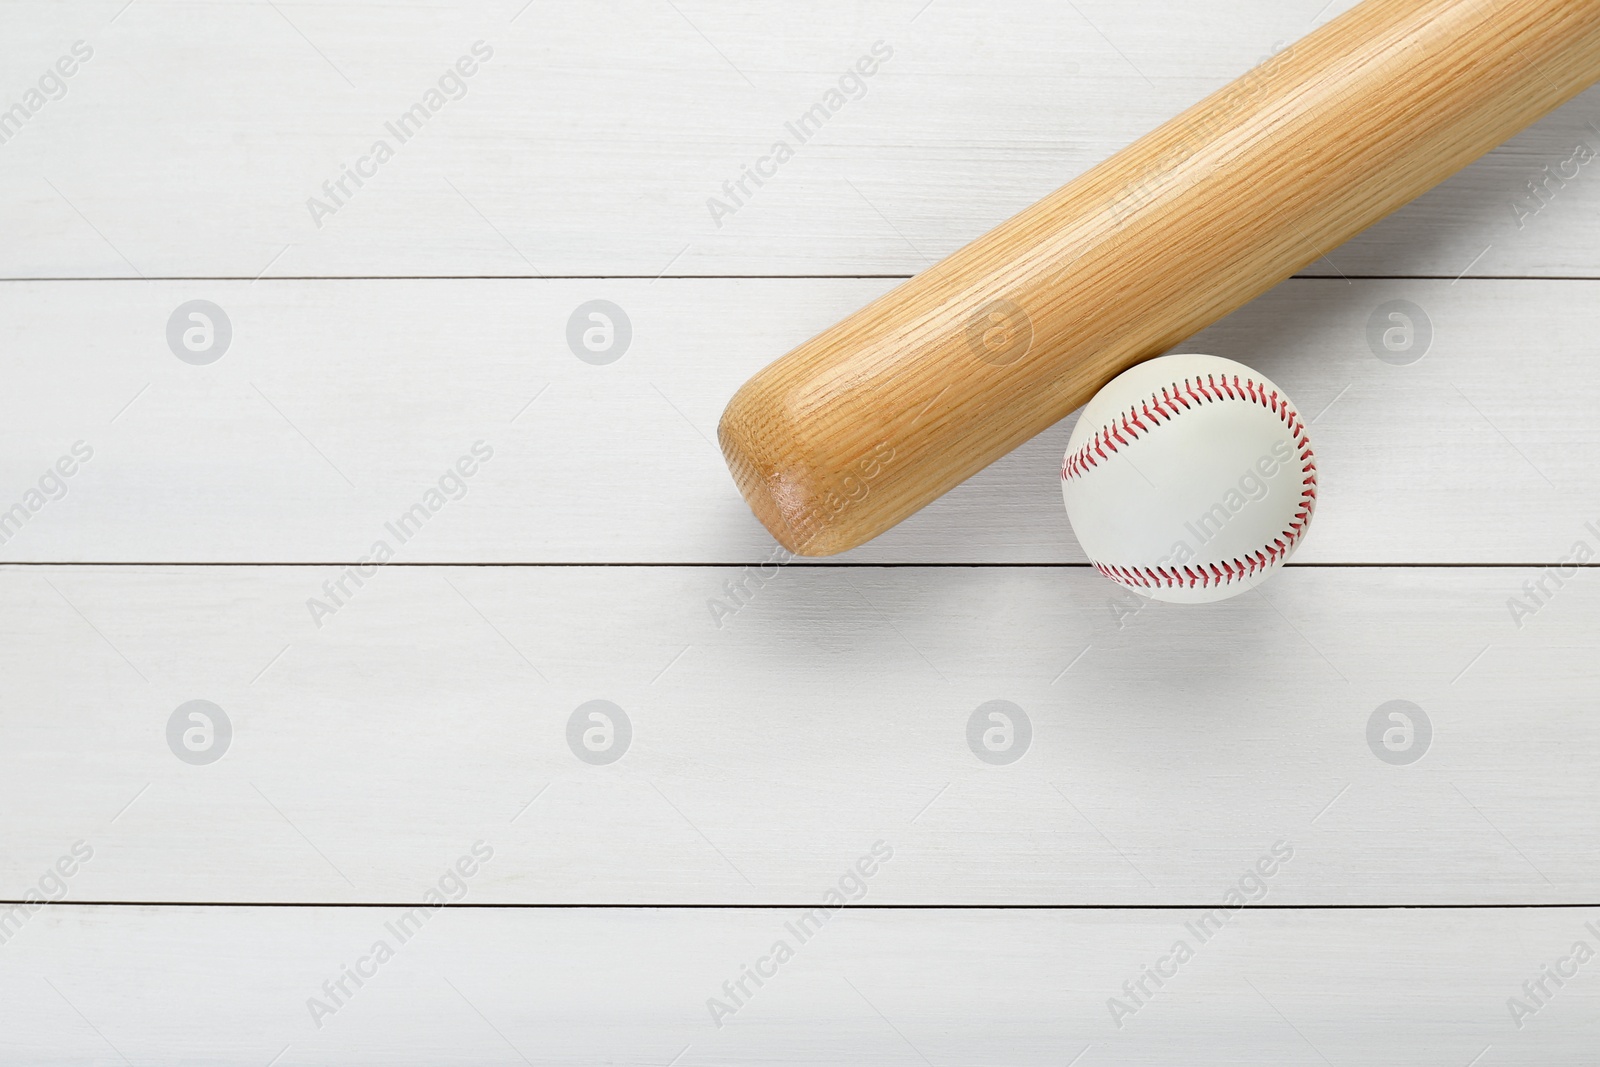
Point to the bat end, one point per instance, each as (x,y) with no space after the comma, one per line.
(779,490)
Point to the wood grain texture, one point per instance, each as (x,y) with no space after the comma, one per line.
(878,416)
(230,987)
(591,143)
(829,709)
(1471,454)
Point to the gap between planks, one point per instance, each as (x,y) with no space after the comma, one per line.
(519,906)
(855,565)
(724,277)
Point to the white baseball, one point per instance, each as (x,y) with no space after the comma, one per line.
(1189,478)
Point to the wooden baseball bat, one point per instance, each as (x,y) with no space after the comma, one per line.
(872,419)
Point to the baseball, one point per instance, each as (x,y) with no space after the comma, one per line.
(1189,478)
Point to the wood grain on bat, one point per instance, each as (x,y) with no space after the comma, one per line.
(859,427)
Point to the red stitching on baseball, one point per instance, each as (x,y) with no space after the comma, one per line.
(1128,427)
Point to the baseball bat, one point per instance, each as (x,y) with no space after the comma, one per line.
(860,426)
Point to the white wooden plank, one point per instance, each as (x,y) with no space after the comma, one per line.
(593,139)
(337,405)
(1168,748)
(231,986)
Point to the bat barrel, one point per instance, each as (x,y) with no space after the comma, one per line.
(877,416)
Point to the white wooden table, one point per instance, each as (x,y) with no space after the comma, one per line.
(377,741)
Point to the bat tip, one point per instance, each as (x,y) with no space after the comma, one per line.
(779,491)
